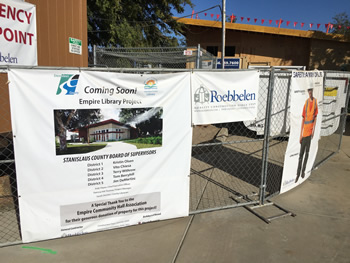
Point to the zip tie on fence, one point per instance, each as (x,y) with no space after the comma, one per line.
(7,161)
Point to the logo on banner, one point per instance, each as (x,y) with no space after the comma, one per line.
(151,86)
(201,95)
(8,58)
(151,83)
(68,83)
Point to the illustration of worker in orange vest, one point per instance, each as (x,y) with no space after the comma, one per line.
(308,124)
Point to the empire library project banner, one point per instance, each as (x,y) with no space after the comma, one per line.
(96,151)
(18,39)
(306,119)
(219,97)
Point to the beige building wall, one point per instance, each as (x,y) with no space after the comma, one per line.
(329,54)
(115,132)
(257,48)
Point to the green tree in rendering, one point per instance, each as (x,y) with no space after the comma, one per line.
(134,23)
(148,121)
(72,119)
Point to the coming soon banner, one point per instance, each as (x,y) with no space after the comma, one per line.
(306,118)
(219,97)
(96,151)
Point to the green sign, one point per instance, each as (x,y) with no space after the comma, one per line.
(74,46)
(74,41)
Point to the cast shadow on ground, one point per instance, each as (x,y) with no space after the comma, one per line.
(239,165)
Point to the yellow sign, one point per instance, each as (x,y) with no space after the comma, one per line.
(331,91)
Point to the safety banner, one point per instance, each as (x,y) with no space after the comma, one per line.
(305,122)
(96,151)
(18,39)
(220,97)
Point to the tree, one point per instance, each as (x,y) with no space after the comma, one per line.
(73,119)
(134,23)
(148,121)
(341,23)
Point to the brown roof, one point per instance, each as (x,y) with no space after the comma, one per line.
(265,29)
(105,122)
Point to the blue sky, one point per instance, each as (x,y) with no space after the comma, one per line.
(301,11)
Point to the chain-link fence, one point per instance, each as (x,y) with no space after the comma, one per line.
(233,164)
(9,216)
(335,109)
(152,57)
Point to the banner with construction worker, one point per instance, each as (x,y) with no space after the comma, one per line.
(305,122)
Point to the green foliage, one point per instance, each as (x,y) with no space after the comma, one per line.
(72,119)
(146,142)
(134,23)
(80,148)
(343,21)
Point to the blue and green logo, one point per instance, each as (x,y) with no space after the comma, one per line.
(68,82)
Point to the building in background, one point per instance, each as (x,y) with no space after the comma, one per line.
(108,130)
(261,45)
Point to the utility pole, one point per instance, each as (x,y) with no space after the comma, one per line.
(223,15)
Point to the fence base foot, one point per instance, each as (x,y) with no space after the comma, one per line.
(266,215)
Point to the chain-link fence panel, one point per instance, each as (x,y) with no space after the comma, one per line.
(225,168)
(232,163)
(279,128)
(161,57)
(335,109)
(9,227)
(227,160)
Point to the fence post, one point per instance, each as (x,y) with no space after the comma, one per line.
(198,56)
(265,152)
(345,114)
(94,52)
(284,127)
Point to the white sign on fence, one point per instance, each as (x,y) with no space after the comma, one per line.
(18,39)
(305,122)
(219,97)
(128,163)
(187,52)
(74,46)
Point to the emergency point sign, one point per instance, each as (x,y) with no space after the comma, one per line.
(18,40)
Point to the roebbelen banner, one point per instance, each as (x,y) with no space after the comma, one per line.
(99,150)
(18,38)
(219,97)
(305,122)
